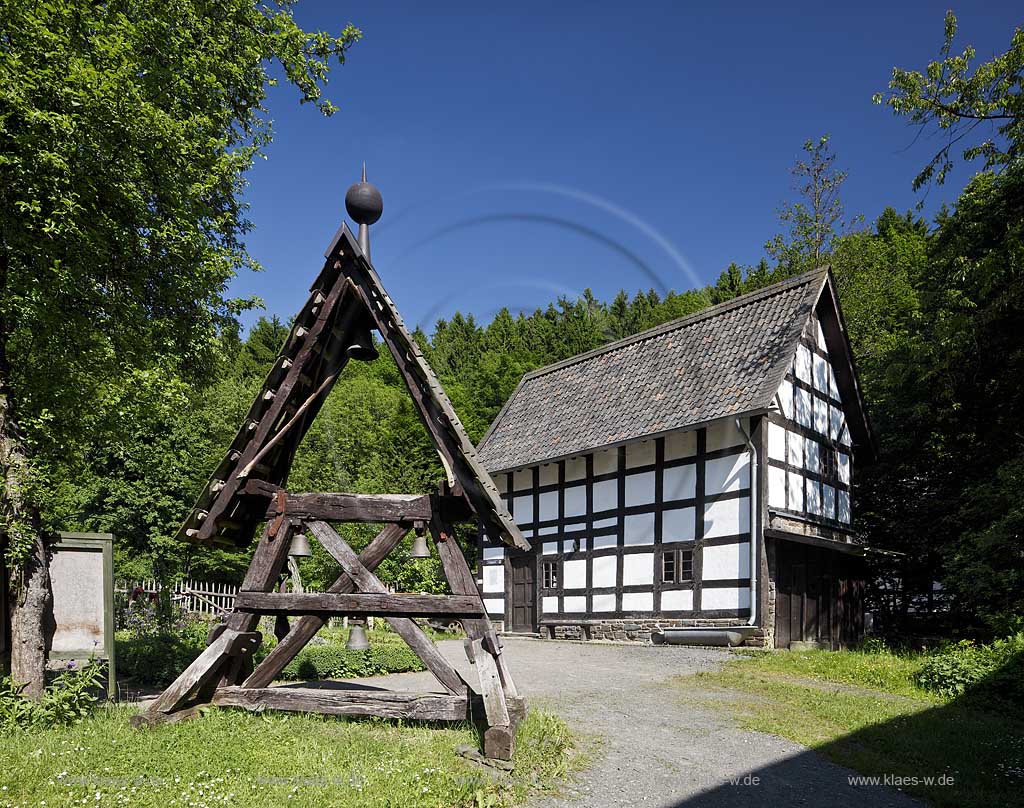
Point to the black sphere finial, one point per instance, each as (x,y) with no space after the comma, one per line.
(364,202)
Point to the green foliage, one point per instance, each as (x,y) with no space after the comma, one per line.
(948,99)
(156,657)
(814,221)
(991,675)
(307,761)
(125,131)
(878,723)
(336,662)
(68,700)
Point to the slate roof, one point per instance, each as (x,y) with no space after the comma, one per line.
(723,361)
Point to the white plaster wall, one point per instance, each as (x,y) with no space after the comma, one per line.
(677,600)
(820,374)
(639,529)
(550,548)
(637,569)
(821,415)
(640,454)
(606,495)
(786,399)
(812,455)
(828,501)
(575,500)
(494,553)
(611,521)
(680,444)
(494,578)
(835,422)
(802,406)
(638,601)
(522,480)
(640,488)
(724,435)
(812,497)
(575,603)
(549,474)
(843,506)
(603,542)
(494,605)
(795,491)
(574,574)
(844,467)
(603,570)
(606,462)
(726,561)
(802,363)
(679,482)
(776,487)
(523,509)
(776,441)
(575,469)
(548,506)
(679,524)
(727,474)
(727,517)
(795,443)
(549,604)
(728,598)
(602,603)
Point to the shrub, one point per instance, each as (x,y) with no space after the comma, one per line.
(68,700)
(153,652)
(334,662)
(984,673)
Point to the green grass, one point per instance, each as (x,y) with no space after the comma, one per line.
(229,758)
(864,711)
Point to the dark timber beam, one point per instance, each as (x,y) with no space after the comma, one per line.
(381,703)
(405,627)
(381,508)
(397,605)
(306,627)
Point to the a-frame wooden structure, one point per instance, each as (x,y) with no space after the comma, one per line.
(248,488)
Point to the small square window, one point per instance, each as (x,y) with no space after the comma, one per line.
(828,462)
(550,571)
(676,566)
(668,568)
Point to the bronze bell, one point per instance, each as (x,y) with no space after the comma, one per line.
(357,640)
(361,347)
(420,548)
(299,548)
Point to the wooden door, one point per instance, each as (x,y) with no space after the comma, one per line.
(522,592)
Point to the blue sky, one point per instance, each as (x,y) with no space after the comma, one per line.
(529,150)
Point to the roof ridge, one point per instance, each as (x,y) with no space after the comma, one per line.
(681,322)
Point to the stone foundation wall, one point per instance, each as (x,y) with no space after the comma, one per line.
(640,630)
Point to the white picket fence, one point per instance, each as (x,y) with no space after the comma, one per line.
(195,597)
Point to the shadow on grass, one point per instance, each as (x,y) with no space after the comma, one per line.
(967,753)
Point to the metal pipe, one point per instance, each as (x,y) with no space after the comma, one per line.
(755,539)
(690,636)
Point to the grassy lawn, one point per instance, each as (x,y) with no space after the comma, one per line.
(239,759)
(862,710)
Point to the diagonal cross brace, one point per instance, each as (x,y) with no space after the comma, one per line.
(306,627)
(365,581)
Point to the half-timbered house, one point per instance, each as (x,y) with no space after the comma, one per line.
(696,475)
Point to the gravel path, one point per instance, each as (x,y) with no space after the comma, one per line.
(657,748)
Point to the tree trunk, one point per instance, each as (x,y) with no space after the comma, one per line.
(31,597)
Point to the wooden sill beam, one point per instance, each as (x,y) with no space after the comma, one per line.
(457,606)
(382,703)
